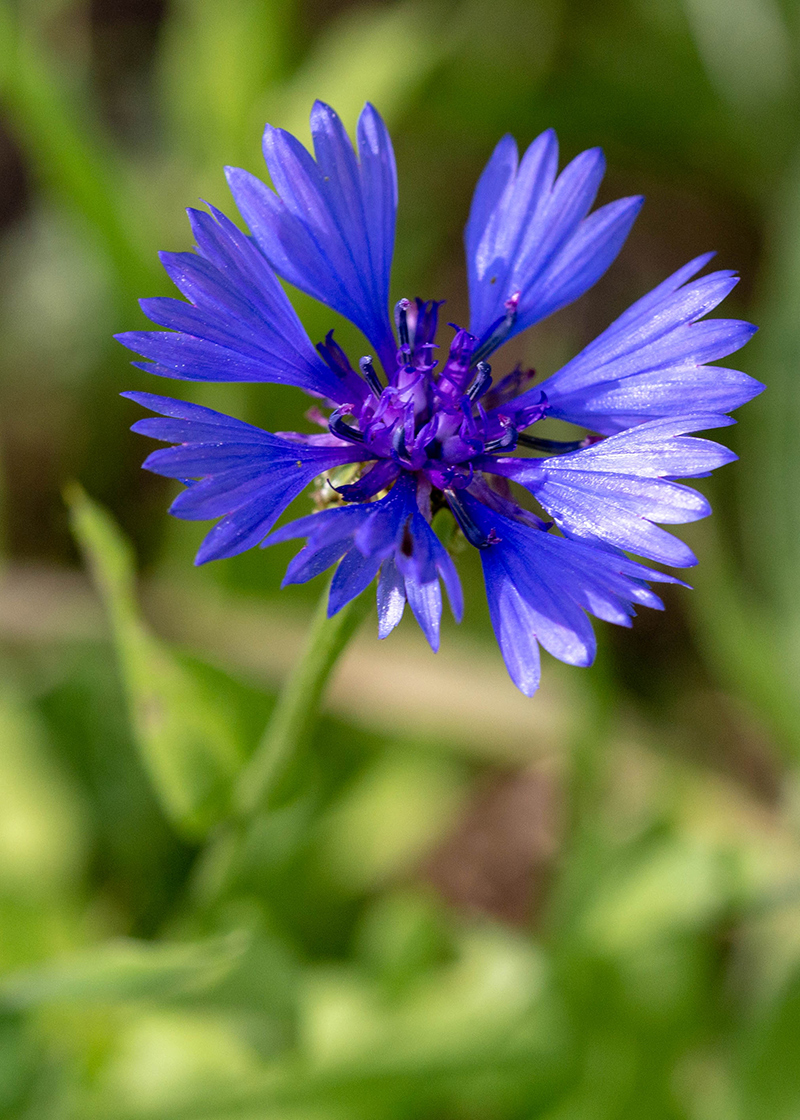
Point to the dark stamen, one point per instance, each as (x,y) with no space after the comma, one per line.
(334,357)
(401,320)
(554,446)
(482,382)
(499,330)
(370,376)
(339,426)
(466,523)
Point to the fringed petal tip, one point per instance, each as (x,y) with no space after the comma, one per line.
(238,323)
(653,361)
(529,240)
(329,226)
(388,536)
(541,587)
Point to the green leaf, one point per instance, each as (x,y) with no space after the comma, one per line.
(190,747)
(123,970)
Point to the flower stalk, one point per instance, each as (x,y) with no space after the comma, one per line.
(273,776)
(269,777)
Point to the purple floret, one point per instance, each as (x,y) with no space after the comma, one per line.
(419,427)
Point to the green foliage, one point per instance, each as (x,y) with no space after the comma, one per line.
(189,743)
(41,819)
(71,156)
(214,905)
(123,970)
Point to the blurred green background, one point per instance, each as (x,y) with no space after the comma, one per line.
(584,906)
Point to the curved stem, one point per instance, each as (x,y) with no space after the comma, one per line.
(263,782)
(271,776)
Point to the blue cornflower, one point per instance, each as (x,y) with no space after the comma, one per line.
(417,429)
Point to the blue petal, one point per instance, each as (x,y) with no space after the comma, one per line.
(390,535)
(310,562)
(181,419)
(558,622)
(247,481)
(658,449)
(238,325)
(651,361)
(322,528)
(329,229)
(382,531)
(330,535)
(354,575)
(496,176)
(618,510)
(416,561)
(529,235)
(449,576)
(243,528)
(514,626)
(416,558)
(376,479)
(425,600)
(539,585)
(613,491)
(391,598)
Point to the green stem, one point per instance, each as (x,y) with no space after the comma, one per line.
(264,781)
(270,777)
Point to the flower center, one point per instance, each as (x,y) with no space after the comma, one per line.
(427,418)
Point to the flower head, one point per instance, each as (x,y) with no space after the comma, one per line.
(421,428)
